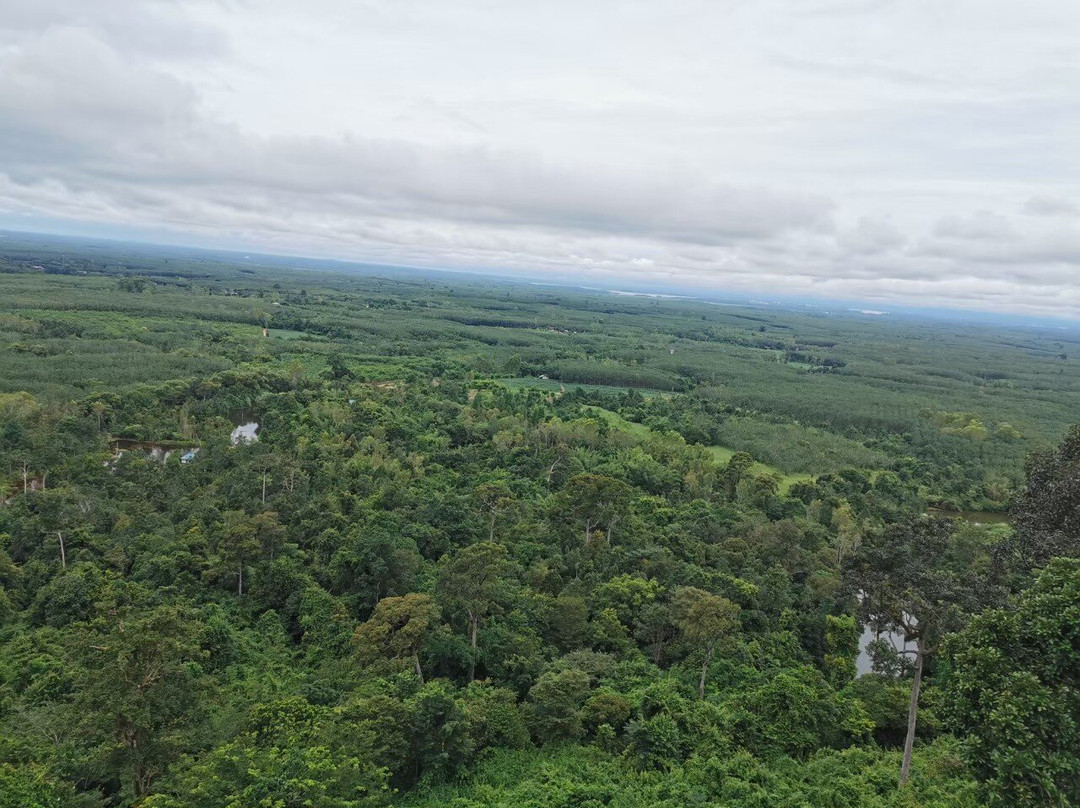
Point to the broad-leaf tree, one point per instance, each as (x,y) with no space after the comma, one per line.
(398,628)
(913,578)
(597,502)
(137,687)
(704,620)
(491,499)
(1013,693)
(475,581)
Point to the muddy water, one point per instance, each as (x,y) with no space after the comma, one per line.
(975,517)
(153,450)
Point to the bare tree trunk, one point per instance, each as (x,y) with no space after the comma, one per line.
(610,527)
(491,531)
(264,488)
(913,708)
(416,664)
(63,552)
(705,670)
(474,626)
(144,778)
(240,580)
(551,470)
(25,475)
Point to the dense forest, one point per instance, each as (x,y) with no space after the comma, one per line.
(286,534)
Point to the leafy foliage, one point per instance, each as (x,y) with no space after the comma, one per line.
(428,583)
(1014,693)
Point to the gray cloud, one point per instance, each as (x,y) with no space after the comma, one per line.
(721,145)
(979,226)
(1050,206)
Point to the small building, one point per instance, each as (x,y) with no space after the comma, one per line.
(188,456)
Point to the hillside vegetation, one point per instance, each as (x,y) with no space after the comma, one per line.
(506,545)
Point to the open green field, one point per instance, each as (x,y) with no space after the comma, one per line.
(722,454)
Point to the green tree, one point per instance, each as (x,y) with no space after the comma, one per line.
(492,499)
(369,565)
(475,581)
(494,717)
(237,545)
(704,619)
(655,626)
(399,628)
(796,712)
(136,689)
(841,649)
(597,501)
(734,471)
(1013,693)
(1047,513)
(31,787)
(913,578)
(337,368)
(555,703)
(290,756)
(440,731)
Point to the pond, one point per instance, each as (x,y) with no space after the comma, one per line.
(974,517)
(154,450)
(245,426)
(245,433)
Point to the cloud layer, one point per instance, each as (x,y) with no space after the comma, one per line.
(909,152)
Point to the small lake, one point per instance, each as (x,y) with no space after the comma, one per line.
(974,517)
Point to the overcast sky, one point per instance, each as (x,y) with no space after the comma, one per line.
(914,151)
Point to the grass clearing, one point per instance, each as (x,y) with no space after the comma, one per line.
(722,454)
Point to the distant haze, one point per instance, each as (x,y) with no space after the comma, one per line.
(907,152)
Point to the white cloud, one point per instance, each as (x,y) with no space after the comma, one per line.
(891,151)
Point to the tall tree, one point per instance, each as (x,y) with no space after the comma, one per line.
(237,545)
(475,581)
(136,687)
(704,619)
(734,470)
(492,499)
(598,502)
(61,513)
(914,579)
